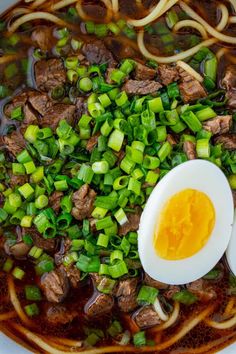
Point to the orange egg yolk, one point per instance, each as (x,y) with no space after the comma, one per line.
(185,225)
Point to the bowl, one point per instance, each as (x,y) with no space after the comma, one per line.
(7,345)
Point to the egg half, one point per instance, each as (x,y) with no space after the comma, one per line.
(186,224)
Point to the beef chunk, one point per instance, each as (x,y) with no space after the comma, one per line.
(46,244)
(126,294)
(145,87)
(154,283)
(55,285)
(229,79)
(59,314)
(80,107)
(73,274)
(54,200)
(19,250)
(18,101)
(202,289)
(131,225)
(146,317)
(168,74)
(39,101)
(17,180)
(190,88)
(29,117)
(49,74)
(96,53)
(190,150)
(227,140)
(143,72)
(171,139)
(42,37)
(231,95)
(56,113)
(173,289)
(98,305)
(92,142)
(14,143)
(218,125)
(101,281)
(83,200)
(65,245)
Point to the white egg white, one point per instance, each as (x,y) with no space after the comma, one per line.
(205,177)
(231,250)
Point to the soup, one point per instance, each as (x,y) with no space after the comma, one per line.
(99,101)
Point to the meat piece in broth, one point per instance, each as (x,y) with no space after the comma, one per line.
(99,305)
(30,117)
(56,113)
(202,289)
(189,148)
(146,317)
(49,74)
(190,88)
(228,141)
(144,87)
(39,101)
(83,201)
(13,142)
(229,83)
(55,200)
(47,245)
(132,224)
(154,283)
(219,124)
(97,53)
(126,294)
(92,142)
(17,101)
(143,72)
(55,285)
(16,180)
(73,274)
(60,315)
(42,37)
(168,74)
(173,289)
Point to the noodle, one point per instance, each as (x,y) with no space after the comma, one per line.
(154,14)
(220,36)
(173,318)
(37,3)
(15,302)
(8,315)
(233,3)
(36,16)
(173,58)
(232,19)
(170,4)
(115,6)
(190,70)
(224,17)
(221,52)
(222,325)
(66,341)
(229,307)
(193,24)
(159,310)
(63,3)
(83,14)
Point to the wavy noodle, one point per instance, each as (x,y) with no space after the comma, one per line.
(58,346)
(66,341)
(220,53)
(37,16)
(173,58)
(222,325)
(220,36)
(8,315)
(233,3)
(229,307)
(224,17)
(192,24)
(158,308)
(19,11)
(190,70)
(37,3)
(63,3)
(153,15)
(168,6)
(232,19)
(16,304)
(115,6)
(172,319)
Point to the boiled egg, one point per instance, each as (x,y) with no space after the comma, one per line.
(186,225)
(231,250)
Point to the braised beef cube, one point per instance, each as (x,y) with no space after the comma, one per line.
(126,293)
(73,274)
(191,90)
(231,96)
(92,142)
(55,285)
(143,72)
(171,139)
(99,305)
(103,282)
(13,142)
(219,124)
(19,250)
(154,283)
(65,245)
(55,200)
(146,317)
(203,289)
(42,37)
(47,245)
(80,107)
(30,118)
(145,87)
(168,74)
(228,141)
(173,289)
(97,53)
(18,101)
(83,200)
(49,74)
(56,113)
(60,315)
(131,225)
(229,79)
(189,148)
(17,180)
(39,101)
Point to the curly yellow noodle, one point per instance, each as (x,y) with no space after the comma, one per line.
(154,14)
(224,17)
(221,52)
(36,16)
(8,315)
(66,341)
(37,3)
(63,3)
(190,70)
(173,318)
(232,19)
(220,36)
(233,3)
(222,325)
(229,307)
(173,58)
(193,24)
(168,6)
